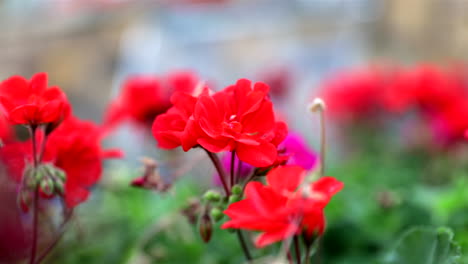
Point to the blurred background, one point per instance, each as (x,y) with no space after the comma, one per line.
(89,47)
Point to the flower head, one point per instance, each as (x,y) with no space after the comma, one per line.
(284,207)
(32,102)
(239,118)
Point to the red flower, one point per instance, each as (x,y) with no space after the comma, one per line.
(31,102)
(74,147)
(355,95)
(169,129)
(6,131)
(284,207)
(425,87)
(239,118)
(145,97)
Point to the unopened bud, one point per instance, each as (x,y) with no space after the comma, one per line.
(212,196)
(318,105)
(236,189)
(217,214)
(206,227)
(59,187)
(25,198)
(47,186)
(39,173)
(234,198)
(60,174)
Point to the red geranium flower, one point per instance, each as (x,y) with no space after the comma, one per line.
(239,118)
(284,207)
(425,87)
(355,95)
(73,147)
(145,97)
(169,129)
(31,102)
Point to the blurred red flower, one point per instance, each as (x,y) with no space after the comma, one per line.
(145,97)
(425,87)
(73,147)
(355,95)
(284,207)
(32,102)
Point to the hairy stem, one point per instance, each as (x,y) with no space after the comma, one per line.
(297,249)
(32,131)
(54,243)
(219,168)
(245,249)
(233,165)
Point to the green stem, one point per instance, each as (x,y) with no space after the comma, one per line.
(245,249)
(297,249)
(219,168)
(54,243)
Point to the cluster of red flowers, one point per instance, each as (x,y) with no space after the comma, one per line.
(58,138)
(438,95)
(240,119)
(63,158)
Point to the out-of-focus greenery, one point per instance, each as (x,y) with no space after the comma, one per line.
(388,190)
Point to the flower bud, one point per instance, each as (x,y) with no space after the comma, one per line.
(60,174)
(217,214)
(206,227)
(39,173)
(234,198)
(318,105)
(212,196)
(59,187)
(236,189)
(25,198)
(47,186)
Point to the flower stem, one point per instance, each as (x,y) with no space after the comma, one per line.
(32,131)
(233,164)
(54,243)
(239,170)
(307,255)
(323,143)
(222,174)
(297,249)
(241,239)
(249,179)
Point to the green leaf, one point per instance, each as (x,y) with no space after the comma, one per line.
(425,245)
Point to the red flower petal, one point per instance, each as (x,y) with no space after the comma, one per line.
(262,155)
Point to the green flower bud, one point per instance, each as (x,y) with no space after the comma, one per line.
(236,189)
(47,186)
(234,198)
(217,214)
(59,187)
(39,173)
(212,196)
